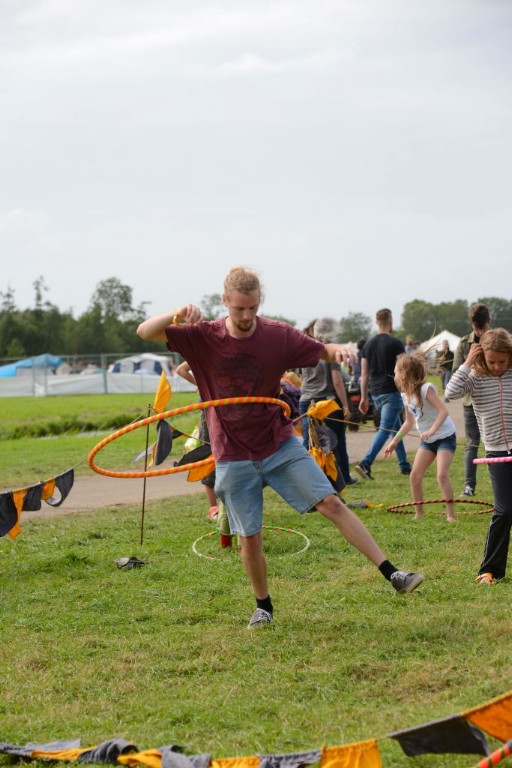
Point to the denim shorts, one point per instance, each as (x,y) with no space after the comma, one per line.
(290,471)
(444,444)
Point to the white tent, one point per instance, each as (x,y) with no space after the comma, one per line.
(436,342)
(147,363)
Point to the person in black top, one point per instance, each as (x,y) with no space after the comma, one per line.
(377,375)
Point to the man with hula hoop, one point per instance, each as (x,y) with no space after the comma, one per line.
(254,446)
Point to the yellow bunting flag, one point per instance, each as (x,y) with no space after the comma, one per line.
(152,758)
(361,754)
(163,394)
(235,762)
(322,409)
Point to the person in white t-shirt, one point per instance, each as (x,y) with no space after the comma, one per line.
(426,411)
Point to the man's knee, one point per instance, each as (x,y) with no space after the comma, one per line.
(331,506)
(251,543)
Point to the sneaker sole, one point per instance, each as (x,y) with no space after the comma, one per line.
(418,579)
(259,624)
(363,474)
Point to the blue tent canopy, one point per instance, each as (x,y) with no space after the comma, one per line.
(41,361)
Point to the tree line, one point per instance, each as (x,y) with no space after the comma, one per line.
(109,323)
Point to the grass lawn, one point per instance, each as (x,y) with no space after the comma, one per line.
(161,654)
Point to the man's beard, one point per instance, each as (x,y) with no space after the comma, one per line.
(244,325)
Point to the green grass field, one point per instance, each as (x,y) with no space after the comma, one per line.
(161,654)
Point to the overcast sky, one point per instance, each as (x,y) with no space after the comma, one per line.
(357,153)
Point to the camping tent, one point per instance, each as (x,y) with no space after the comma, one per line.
(435,343)
(146,363)
(24,367)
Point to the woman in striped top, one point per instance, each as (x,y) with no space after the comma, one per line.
(487,375)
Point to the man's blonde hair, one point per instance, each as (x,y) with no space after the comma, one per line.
(243,280)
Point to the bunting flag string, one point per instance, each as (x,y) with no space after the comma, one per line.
(461,733)
(13,503)
(29,498)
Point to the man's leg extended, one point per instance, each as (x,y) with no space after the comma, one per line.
(351,527)
(357,534)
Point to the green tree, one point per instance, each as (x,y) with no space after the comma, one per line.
(109,324)
(354,326)
(419,320)
(113,298)
(15,349)
(11,328)
(501,311)
(212,306)
(452,316)
(40,289)
(7,298)
(90,332)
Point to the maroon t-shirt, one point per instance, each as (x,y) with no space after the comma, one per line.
(227,367)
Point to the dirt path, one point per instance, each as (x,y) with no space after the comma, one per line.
(93,492)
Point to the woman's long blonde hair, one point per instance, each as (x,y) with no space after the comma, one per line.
(411,372)
(494,340)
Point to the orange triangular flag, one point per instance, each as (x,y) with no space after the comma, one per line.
(163,394)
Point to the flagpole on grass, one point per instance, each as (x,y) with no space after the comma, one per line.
(144,483)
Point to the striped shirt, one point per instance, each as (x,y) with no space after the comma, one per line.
(492,402)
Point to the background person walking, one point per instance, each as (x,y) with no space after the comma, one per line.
(377,375)
(480,319)
(444,359)
(325,382)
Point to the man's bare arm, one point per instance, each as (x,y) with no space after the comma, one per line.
(153,329)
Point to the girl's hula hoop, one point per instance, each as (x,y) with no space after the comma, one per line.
(403,508)
(265,527)
(493,460)
(168,414)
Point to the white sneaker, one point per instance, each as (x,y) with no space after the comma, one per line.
(259,617)
(405,582)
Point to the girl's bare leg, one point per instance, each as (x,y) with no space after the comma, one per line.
(422,461)
(444,460)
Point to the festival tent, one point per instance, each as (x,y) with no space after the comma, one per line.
(147,363)
(436,342)
(24,367)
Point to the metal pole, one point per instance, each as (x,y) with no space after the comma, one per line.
(144,483)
